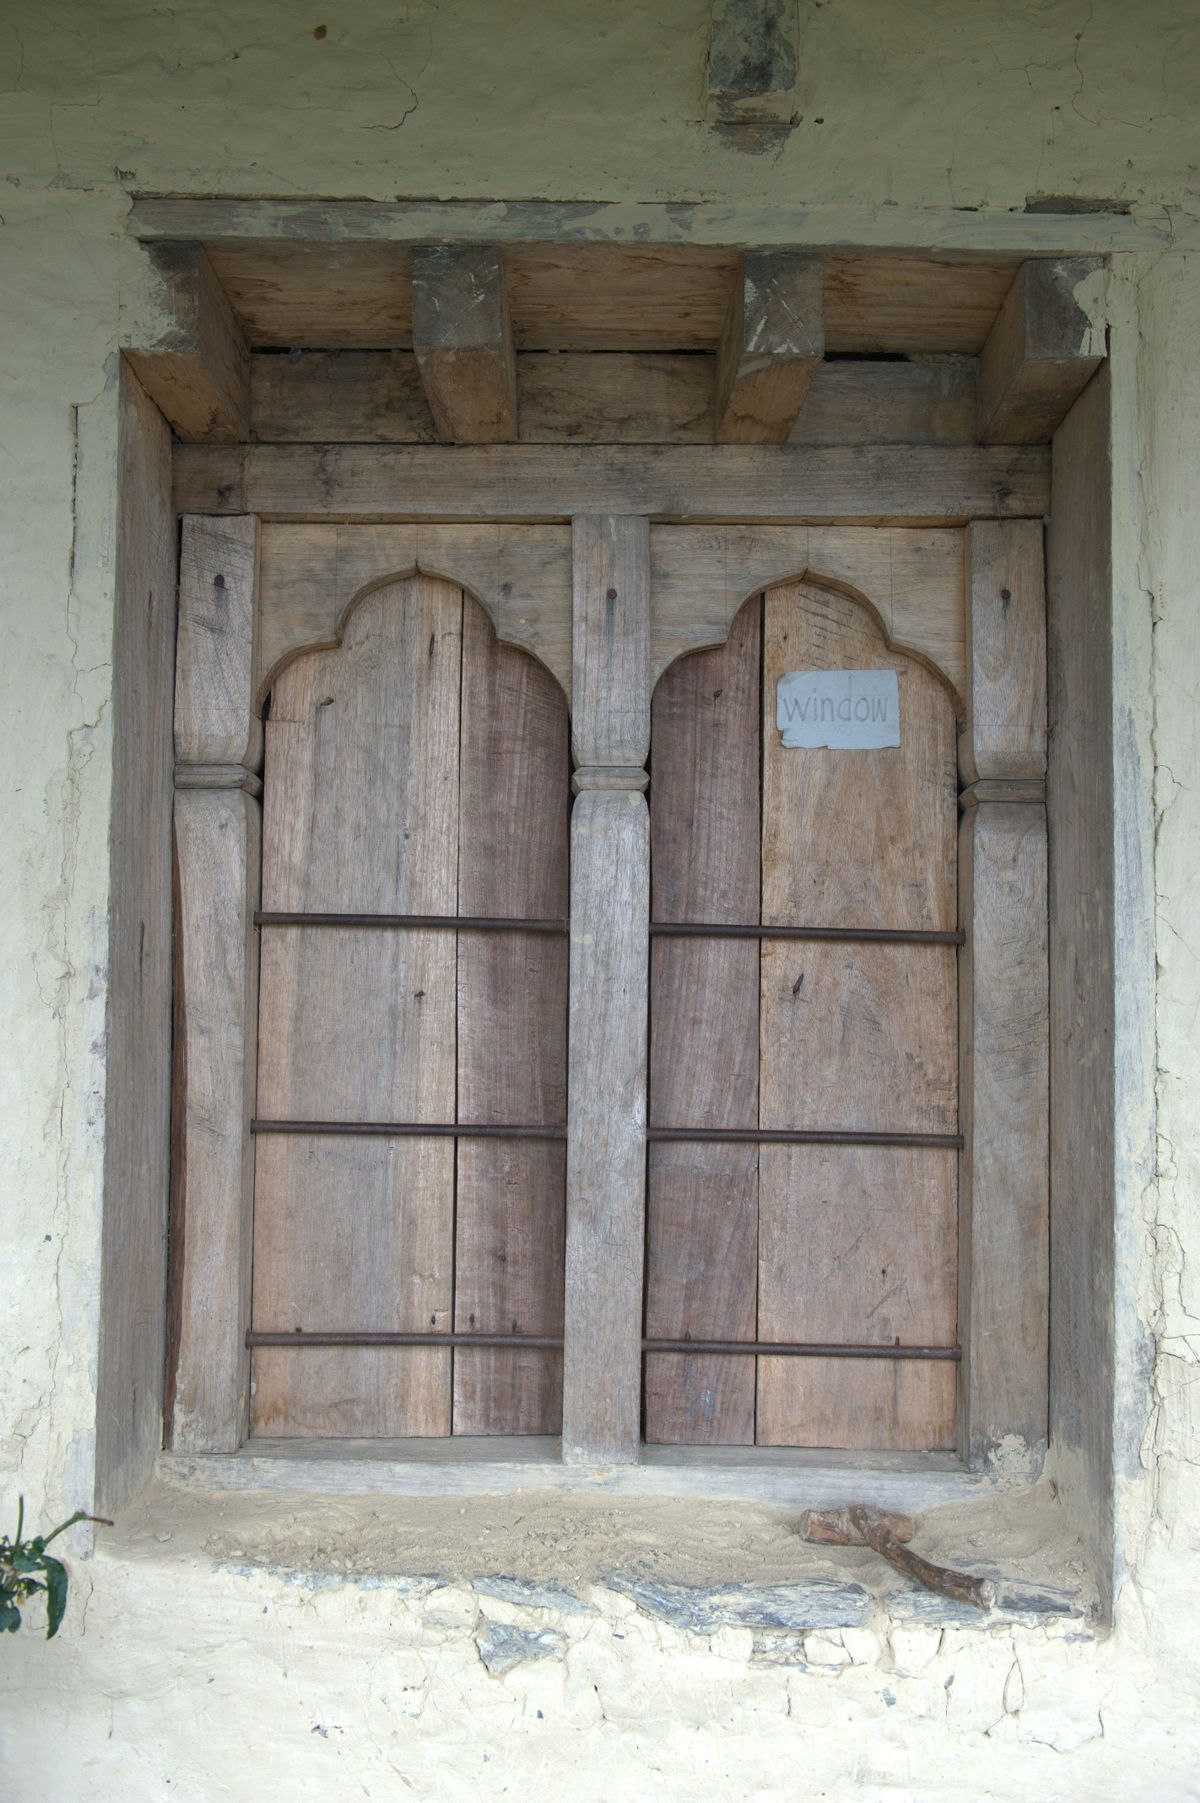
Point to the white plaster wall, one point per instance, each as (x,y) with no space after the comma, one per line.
(173,1679)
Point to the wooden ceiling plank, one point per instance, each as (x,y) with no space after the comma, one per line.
(1042,351)
(463,340)
(773,340)
(197,368)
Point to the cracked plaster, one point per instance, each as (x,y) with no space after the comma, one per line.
(181,1677)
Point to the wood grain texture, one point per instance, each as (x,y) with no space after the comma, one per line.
(891,861)
(928,400)
(702,1200)
(856,1036)
(857,1243)
(772,342)
(310,576)
(701,576)
(215,718)
(361,812)
(909,485)
(463,341)
(1003,1170)
(610,722)
(606,397)
(138,1014)
(512,1023)
(1041,352)
(1004,735)
(1082,902)
(645,297)
(606,1150)
(318,296)
(197,368)
(217,847)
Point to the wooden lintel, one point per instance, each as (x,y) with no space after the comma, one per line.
(1044,347)
(923,485)
(773,341)
(463,341)
(197,368)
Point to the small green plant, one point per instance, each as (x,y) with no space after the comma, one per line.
(27,1568)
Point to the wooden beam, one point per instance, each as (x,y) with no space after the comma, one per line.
(774,338)
(463,341)
(606,1144)
(610,725)
(925,485)
(217,844)
(1042,350)
(747,224)
(215,718)
(197,369)
(752,63)
(1005,1119)
(138,1018)
(1004,733)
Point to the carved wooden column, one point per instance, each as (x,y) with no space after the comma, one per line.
(1004,1000)
(610,898)
(217,839)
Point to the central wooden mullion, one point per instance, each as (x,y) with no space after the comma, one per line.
(610,940)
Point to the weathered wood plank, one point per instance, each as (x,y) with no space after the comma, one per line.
(129,1410)
(197,370)
(611,640)
(1041,352)
(913,485)
(1004,734)
(856,1036)
(927,400)
(360,813)
(606,1151)
(606,397)
(346,223)
(1003,1169)
(700,577)
(463,341)
(702,1200)
(1083,881)
(215,717)
(512,1026)
(217,846)
(773,341)
(311,574)
(300,295)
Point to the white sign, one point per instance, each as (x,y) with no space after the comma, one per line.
(847,710)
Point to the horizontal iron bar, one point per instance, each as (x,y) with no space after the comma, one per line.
(512,1341)
(805,1136)
(458,923)
(701,929)
(808,1349)
(407,1130)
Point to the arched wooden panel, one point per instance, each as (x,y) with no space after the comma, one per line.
(811,1243)
(421,768)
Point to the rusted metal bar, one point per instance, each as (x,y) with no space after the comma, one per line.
(457,923)
(860,1524)
(773,1136)
(408,1130)
(698,929)
(804,1349)
(511,1341)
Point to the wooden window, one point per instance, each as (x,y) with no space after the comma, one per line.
(419,770)
(759,1032)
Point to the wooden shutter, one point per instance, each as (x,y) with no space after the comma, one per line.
(817,1243)
(419,769)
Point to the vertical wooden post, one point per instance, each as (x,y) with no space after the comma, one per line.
(610,898)
(217,850)
(1004,1003)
